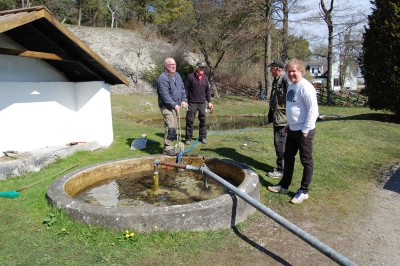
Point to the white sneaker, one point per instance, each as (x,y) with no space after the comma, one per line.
(300,196)
(275,174)
(278,189)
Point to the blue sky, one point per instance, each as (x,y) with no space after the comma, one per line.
(317,32)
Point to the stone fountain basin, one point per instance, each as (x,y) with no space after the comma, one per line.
(222,212)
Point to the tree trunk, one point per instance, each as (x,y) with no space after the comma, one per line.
(267,47)
(113,12)
(212,83)
(285,31)
(79,15)
(327,17)
(330,63)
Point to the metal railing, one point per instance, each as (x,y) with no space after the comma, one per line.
(321,247)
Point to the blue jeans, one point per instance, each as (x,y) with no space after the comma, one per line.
(262,95)
(295,141)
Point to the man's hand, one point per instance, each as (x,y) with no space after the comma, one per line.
(284,130)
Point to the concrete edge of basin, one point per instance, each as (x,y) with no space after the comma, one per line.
(219,213)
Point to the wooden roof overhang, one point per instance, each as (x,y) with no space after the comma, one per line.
(46,38)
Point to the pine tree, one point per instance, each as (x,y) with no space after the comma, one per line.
(380,60)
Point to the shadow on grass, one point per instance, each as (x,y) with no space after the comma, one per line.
(232,154)
(384,118)
(248,240)
(260,248)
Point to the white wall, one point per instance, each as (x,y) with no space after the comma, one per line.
(25,69)
(36,115)
(93,107)
(351,77)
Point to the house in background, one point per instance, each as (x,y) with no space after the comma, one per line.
(319,72)
(315,70)
(350,78)
(53,88)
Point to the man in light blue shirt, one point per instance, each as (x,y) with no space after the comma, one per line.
(302,114)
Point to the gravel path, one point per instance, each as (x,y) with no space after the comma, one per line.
(377,234)
(369,238)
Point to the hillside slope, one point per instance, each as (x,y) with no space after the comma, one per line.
(128,51)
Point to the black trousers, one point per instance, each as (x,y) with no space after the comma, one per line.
(295,142)
(194,108)
(279,144)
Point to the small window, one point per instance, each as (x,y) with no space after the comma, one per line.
(336,82)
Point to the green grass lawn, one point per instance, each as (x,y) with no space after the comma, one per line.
(349,153)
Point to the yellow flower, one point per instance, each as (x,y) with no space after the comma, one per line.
(127,235)
(112,243)
(132,234)
(64,230)
(127,231)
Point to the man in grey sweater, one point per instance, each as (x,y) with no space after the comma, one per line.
(171,97)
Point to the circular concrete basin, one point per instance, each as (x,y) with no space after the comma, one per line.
(224,211)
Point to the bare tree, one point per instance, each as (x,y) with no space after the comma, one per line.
(214,28)
(284,7)
(263,17)
(267,50)
(113,11)
(281,9)
(25,5)
(285,30)
(326,15)
(79,9)
(335,17)
(350,48)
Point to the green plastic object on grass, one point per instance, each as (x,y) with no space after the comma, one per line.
(10,194)
(15,194)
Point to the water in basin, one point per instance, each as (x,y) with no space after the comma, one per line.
(137,189)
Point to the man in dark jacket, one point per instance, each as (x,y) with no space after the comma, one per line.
(171,97)
(197,91)
(278,113)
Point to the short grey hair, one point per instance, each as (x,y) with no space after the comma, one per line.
(298,63)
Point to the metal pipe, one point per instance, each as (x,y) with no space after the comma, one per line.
(177,165)
(326,250)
